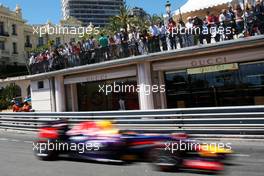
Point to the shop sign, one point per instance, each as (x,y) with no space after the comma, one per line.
(207,62)
(117,74)
(214,68)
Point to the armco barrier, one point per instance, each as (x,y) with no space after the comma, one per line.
(245,120)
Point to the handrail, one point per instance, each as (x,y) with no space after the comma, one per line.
(245,120)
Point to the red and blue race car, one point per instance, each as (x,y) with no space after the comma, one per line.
(101,141)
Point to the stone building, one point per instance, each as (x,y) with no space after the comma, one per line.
(16,37)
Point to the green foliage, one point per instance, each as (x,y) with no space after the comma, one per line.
(12,71)
(40,49)
(155,19)
(51,43)
(125,21)
(3,104)
(11,91)
(7,94)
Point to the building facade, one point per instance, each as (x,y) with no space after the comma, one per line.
(229,73)
(96,12)
(58,37)
(16,37)
(224,74)
(137,12)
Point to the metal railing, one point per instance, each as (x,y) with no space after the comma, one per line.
(115,52)
(248,120)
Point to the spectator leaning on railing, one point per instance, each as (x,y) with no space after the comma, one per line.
(157,37)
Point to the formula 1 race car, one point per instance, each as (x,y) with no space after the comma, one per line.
(100,141)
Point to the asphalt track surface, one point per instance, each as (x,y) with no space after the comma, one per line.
(17,159)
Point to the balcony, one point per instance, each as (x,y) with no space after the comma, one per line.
(28,45)
(4,53)
(4,34)
(98,55)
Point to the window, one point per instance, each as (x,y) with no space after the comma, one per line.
(2,45)
(58,41)
(40,85)
(28,39)
(1,27)
(224,88)
(14,29)
(28,44)
(89,99)
(15,48)
(40,41)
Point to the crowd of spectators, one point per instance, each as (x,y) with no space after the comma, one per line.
(235,22)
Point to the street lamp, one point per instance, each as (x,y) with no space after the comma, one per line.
(168,8)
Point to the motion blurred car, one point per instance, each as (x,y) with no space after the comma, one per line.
(100,141)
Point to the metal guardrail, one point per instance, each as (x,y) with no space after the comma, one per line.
(248,120)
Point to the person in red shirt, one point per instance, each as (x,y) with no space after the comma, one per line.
(172,35)
(26,107)
(76,53)
(217,25)
(213,26)
(15,107)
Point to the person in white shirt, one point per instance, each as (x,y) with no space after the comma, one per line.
(154,31)
(163,36)
(117,38)
(189,32)
(223,22)
(222,17)
(132,39)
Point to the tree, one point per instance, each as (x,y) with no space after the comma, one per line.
(122,20)
(11,91)
(7,94)
(154,19)
(114,25)
(140,22)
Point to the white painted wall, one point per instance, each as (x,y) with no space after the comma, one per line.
(146,102)
(21,82)
(41,98)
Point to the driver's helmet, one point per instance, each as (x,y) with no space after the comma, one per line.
(105,124)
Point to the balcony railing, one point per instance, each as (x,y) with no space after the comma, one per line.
(98,55)
(4,34)
(5,52)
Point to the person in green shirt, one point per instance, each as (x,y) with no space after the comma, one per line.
(103,41)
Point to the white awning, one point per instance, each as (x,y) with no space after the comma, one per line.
(195,5)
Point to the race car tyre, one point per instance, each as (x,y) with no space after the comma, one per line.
(165,161)
(43,152)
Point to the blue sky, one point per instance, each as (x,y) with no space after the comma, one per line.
(39,11)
